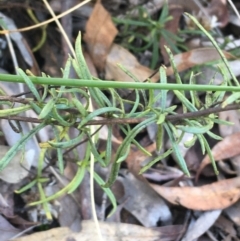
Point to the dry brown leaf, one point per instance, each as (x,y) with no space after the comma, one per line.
(218,195)
(190,6)
(120,55)
(100,33)
(183,61)
(195,57)
(201,225)
(227,148)
(219,9)
(110,232)
(226,225)
(8,231)
(163,173)
(233,213)
(142,202)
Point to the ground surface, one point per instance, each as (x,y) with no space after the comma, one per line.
(163,203)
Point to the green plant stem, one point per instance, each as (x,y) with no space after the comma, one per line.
(116,84)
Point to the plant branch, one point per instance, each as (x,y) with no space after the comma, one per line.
(111,121)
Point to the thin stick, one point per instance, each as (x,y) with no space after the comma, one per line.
(234,9)
(47,21)
(63,32)
(111,121)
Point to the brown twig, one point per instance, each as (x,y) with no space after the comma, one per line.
(107,121)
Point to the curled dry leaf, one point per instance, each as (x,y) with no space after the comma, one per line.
(142,202)
(163,173)
(219,9)
(69,214)
(227,148)
(120,55)
(218,195)
(198,227)
(8,231)
(195,57)
(233,213)
(226,225)
(110,231)
(100,33)
(183,61)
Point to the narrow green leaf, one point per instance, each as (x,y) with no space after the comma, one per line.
(131,75)
(124,149)
(142,149)
(131,135)
(63,191)
(60,119)
(210,155)
(215,45)
(66,73)
(81,60)
(35,107)
(80,107)
(159,137)
(78,179)
(155,51)
(136,104)
(108,155)
(26,187)
(59,150)
(41,162)
(230,99)
(191,142)
(178,155)
(214,136)
(30,84)
(45,92)
(130,22)
(163,80)
(47,109)
(45,205)
(155,160)
(222,122)
(161,119)
(95,152)
(97,113)
(67,144)
(176,74)
(185,101)
(201,141)
(164,13)
(108,191)
(14,111)
(196,129)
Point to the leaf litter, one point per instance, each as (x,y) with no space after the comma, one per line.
(153,202)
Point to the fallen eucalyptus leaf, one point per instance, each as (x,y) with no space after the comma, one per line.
(218,195)
(17,169)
